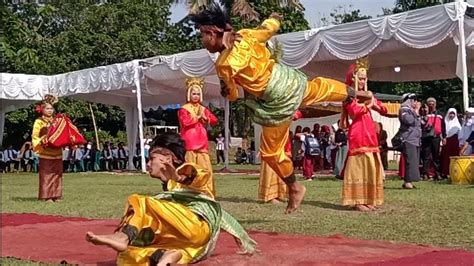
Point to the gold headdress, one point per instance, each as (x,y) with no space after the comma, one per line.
(362,66)
(362,63)
(352,79)
(194,83)
(51,99)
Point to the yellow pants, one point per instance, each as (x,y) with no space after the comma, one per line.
(202,159)
(175,227)
(273,140)
(270,186)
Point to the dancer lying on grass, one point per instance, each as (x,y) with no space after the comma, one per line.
(273,91)
(178,226)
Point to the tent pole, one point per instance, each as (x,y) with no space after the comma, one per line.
(226,133)
(140,115)
(2,125)
(462,43)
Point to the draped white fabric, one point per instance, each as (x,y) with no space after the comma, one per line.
(23,86)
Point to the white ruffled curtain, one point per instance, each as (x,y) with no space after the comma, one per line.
(99,79)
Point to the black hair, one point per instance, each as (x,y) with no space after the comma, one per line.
(306,130)
(171,141)
(211,15)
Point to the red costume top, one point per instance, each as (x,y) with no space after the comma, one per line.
(193,131)
(362,136)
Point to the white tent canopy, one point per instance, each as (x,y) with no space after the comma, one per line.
(19,90)
(426,44)
(422,42)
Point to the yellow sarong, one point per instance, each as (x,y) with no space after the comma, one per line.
(175,227)
(363,180)
(204,161)
(270,186)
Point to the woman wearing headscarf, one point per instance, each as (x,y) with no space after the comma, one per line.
(451,146)
(410,129)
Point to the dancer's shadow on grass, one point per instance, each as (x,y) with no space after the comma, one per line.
(25,199)
(248,177)
(327,205)
(236,200)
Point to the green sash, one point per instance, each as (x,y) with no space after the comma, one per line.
(211,211)
(281,99)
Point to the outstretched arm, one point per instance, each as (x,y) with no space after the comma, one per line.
(268,28)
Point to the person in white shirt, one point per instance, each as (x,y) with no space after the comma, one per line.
(107,158)
(10,157)
(66,159)
(122,156)
(114,152)
(26,157)
(75,159)
(220,147)
(146,150)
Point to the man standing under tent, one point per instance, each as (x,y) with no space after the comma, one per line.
(273,91)
(193,119)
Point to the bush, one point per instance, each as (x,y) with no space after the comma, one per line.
(106,136)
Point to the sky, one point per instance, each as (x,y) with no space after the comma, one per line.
(318,9)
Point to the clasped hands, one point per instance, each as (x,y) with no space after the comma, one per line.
(202,116)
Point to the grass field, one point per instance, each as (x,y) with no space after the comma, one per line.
(436,213)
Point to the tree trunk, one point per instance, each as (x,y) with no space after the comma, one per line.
(95,126)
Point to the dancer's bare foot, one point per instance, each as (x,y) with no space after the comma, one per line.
(371,207)
(296,193)
(361,208)
(274,201)
(117,241)
(170,256)
(282,200)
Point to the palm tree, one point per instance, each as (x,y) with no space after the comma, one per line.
(241,8)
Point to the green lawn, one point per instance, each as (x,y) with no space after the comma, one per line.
(436,213)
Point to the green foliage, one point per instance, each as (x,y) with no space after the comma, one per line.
(66,36)
(293,19)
